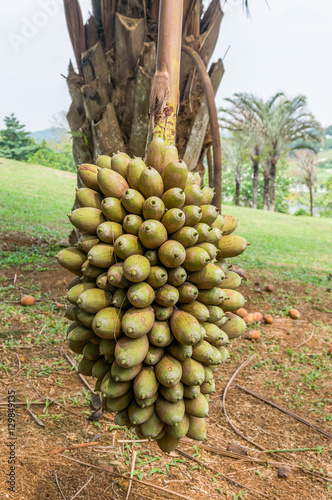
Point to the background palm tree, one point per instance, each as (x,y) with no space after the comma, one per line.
(307,163)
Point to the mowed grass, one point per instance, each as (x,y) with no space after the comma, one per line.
(35,200)
(296,248)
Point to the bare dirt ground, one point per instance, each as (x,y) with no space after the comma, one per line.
(296,378)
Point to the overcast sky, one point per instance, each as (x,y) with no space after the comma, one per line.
(286,46)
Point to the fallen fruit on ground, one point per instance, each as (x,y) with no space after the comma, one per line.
(153,301)
(27,300)
(294,314)
(268,319)
(252,335)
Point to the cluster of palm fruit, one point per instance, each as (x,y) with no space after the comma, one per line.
(152,299)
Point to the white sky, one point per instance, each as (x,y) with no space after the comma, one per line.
(285,48)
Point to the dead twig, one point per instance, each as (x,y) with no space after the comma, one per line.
(117,474)
(132,468)
(36,419)
(79,491)
(58,485)
(284,410)
(19,361)
(71,362)
(219,473)
(305,342)
(72,447)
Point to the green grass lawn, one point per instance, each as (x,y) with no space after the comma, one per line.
(35,200)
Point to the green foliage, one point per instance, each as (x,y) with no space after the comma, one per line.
(48,157)
(15,142)
(301,211)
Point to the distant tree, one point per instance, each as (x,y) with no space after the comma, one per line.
(235,155)
(306,161)
(15,142)
(62,159)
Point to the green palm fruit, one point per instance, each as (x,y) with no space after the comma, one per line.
(169,371)
(103,161)
(192,372)
(72,326)
(111,183)
(93,300)
(119,404)
(109,231)
(203,333)
(141,295)
(208,277)
(219,222)
(152,256)
(213,296)
(208,388)
(174,198)
(206,353)
(133,201)
(162,313)
(139,415)
(76,291)
(95,339)
(87,219)
(185,328)
(121,374)
(160,334)
(147,401)
(85,367)
(152,427)
(150,183)
(136,268)
(71,312)
(197,309)
(155,156)
(180,351)
(100,368)
(131,352)
(209,248)
(177,276)
(154,355)
(87,197)
(167,443)
(232,280)
(191,391)
(107,348)
(208,375)
(214,236)
(76,347)
(173,393)
(127,245)
(215,335)
(234,326)
(88,174)
(157,276)
(76,280)
(120,300)
(221,322)
(208,194)
(113,389)
(135,168)
(193,215)
(194,194)
(196,259)
(234,300)
(224,354)
(102,282)
(209,214)
(230,224)
(173,220)
(116,277)
(113,209)
(203,231)
(131,224)
(107,323)
(153,208)
(167,295)
(170,413)
(145,383)
(101,255)
(138,322)
(175,174)
(152,234)
(224,265)
(216,313)
(122,419)
(171,254)
(197,428)
(72,258)
(119,163)
(90,271)
(187,293)
(80,333)
(91,351)
(231,245)
(171,154)
(197,407)
(187,236)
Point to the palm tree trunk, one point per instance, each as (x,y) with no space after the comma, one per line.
(273,172)
(311,201)
(255,167)
(266,190)
(237,185)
